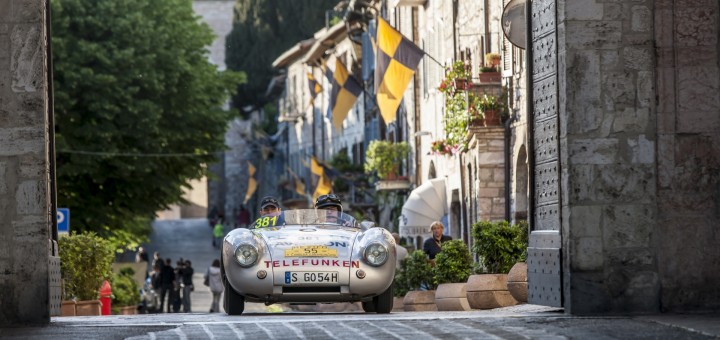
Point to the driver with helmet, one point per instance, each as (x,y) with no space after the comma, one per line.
(332,202)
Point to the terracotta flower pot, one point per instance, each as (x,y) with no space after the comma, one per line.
(88,308)
(490,77)
(128,310)
(420,301)
(492,118)
(68,308)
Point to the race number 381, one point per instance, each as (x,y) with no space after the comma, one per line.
(310,277)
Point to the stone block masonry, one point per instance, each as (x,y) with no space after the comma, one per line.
(25,219)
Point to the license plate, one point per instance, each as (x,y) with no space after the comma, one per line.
(310,251)
(310,277)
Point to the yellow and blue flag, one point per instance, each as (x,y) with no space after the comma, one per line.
(345,91)
(324,182)
(396,60)
(252,184)
(315,87)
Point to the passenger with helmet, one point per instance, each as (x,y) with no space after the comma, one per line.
(270,213)
(269,206)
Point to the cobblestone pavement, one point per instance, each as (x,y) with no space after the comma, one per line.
(518,322)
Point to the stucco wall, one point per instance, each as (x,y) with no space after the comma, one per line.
(24,200)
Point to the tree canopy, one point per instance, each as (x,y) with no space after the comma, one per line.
(262,31)
(138,109)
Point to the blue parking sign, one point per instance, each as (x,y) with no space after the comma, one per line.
(63,220)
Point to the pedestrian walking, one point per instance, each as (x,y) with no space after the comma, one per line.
(157,261)
(187,285)
(175,294)
(218,232)
(214,283)
(142,257)
(167,280)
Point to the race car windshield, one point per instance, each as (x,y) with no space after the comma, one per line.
(306,217)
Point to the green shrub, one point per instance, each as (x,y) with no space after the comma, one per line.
(125,290)
(414,270)
(384,156)
(500,245)
(85,262)
(453,264)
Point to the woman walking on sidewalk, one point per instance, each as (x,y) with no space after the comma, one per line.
(214,282)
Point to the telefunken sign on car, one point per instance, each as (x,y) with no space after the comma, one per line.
(309,256)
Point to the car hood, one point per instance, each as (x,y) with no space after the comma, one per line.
(338,238)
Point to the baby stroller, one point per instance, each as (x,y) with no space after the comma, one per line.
(149,299)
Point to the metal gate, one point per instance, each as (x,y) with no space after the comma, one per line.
(544,267)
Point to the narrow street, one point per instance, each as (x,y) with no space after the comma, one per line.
(191,239)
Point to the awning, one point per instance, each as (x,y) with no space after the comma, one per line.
(425,205)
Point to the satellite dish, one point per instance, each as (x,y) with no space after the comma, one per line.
(514,23)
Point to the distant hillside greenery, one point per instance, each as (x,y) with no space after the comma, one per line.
(137,110)
(262,31)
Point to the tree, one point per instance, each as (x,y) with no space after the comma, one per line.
(262,30)
(137,110)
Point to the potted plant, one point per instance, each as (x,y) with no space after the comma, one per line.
(126,293)
(383,157)
(476,115)
(498,246)
(453,266)
(456,78)
(415,273)
(456,119)
(85,262)
(442,147)
(491,107)
(492,59)
(490,73)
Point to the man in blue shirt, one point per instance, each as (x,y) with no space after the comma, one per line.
(433,245)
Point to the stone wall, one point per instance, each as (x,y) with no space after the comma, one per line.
(688,187)
(639,85)
(24,169)
(607,142)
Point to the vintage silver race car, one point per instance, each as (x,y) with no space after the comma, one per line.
(309,256)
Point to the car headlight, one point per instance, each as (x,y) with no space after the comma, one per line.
(246,254)
(376,254)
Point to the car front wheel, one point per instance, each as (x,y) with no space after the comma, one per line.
(384,302)
(233,302)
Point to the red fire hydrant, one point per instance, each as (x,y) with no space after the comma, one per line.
(105,294)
